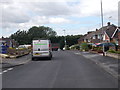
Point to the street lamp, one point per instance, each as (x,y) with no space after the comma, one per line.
(102,27)
(64,38)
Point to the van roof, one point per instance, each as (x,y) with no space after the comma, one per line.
(41,39)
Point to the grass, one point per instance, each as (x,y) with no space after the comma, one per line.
(113,51)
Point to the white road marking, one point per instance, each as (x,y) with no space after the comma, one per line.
(5,71)
(77,53)
(10,69)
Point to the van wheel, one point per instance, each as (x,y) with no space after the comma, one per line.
(33,58)
(50,58)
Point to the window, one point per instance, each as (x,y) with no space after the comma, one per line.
(94,37)
(99,36)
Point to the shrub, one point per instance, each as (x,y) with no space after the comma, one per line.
(113,51)
(118,52)
(73,47)
(67,47)
(84,46)
(89,46)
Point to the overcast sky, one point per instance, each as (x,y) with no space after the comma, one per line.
(74,16)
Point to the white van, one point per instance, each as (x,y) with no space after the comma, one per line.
(41,48)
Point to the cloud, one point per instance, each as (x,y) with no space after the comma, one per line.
(49,8)
(58,20)
(48,20)
(93,8)
(22,14)
(14,13)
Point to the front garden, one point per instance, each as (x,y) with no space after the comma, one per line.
(110,49)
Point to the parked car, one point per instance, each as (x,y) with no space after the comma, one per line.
(41,48)
(24,46)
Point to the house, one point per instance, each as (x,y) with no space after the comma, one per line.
(9,42)
(107,33)
(93,36)
(88,37)
(119,36)
(81,39)
(111,34)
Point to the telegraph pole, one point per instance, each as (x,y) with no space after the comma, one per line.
(102,26)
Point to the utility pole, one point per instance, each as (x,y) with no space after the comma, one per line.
(102,27)
(64,38)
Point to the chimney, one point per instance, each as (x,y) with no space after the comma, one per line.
(96,29)
(89,32)
(108,23)
(2,37)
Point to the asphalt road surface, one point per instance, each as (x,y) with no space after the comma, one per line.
(65,70)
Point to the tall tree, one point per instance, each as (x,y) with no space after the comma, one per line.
(26,37)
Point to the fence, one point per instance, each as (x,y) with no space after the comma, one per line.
(13,51)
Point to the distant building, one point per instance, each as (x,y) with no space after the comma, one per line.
(9,42)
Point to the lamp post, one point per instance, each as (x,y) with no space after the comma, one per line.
(65,38)
(102,27)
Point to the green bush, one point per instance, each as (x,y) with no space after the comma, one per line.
(89,46)
(73,47)
(67,47)
(113,51)
(84,46)
(118,52)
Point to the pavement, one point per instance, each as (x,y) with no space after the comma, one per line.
(8,62)
(65,70)
(12,56)
(107,63)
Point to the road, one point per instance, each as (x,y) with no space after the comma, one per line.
(65,70)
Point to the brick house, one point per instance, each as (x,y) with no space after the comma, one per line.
(119,36)
(105,34)
(93,36)
(81,39)
(88,37)
(111,34)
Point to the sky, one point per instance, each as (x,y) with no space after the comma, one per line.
(73,16)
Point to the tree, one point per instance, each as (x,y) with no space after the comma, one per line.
(26,37)
(20,36)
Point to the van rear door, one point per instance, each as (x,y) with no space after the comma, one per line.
(41,48)
(40,45)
